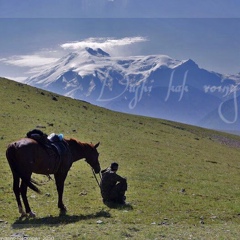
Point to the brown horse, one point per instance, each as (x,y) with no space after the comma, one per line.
(27,156)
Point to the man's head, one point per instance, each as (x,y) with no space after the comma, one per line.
(114,166)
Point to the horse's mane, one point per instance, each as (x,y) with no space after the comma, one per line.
(76,141)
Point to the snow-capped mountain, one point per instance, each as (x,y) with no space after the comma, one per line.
(155,85)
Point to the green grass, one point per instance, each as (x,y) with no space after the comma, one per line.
(183,180)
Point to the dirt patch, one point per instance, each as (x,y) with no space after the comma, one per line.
(226,141)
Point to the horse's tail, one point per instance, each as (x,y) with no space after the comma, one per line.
(10,154)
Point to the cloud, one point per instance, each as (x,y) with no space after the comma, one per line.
(38,60)
(107,44)
(29,60)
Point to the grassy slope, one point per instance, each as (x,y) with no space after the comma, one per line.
(183,181)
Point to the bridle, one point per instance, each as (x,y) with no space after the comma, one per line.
(94,174)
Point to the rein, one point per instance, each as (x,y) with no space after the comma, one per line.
(94,174)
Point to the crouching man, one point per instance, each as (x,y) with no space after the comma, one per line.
(113,186)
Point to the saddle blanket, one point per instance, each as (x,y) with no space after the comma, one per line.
(54,144)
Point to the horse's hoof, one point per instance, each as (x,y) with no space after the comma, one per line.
(63,211)
(23,215)
(22,212)
(32,214)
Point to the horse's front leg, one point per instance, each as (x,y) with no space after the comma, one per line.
(60,178)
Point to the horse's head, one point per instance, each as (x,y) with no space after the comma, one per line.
(88,151)
(92,157)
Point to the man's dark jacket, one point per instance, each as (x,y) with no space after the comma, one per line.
(109,182)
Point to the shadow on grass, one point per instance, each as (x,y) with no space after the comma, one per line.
(57,220)
(126,206)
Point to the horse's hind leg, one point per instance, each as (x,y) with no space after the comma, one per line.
(23,189)
(16,190)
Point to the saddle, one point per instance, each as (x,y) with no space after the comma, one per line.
(53,143)
(57,142)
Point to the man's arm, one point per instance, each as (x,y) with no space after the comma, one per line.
(119,178)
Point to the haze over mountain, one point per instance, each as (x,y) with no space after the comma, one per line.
(153,85)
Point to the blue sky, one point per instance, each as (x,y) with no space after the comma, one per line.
(33,32)
(119,8)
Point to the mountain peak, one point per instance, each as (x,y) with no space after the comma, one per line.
(97,52)
(190,63)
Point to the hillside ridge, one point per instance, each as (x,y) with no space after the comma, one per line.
(181,178)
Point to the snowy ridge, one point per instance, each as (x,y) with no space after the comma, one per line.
(87,61)
(155,85)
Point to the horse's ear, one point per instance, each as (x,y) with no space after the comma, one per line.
(97,145)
